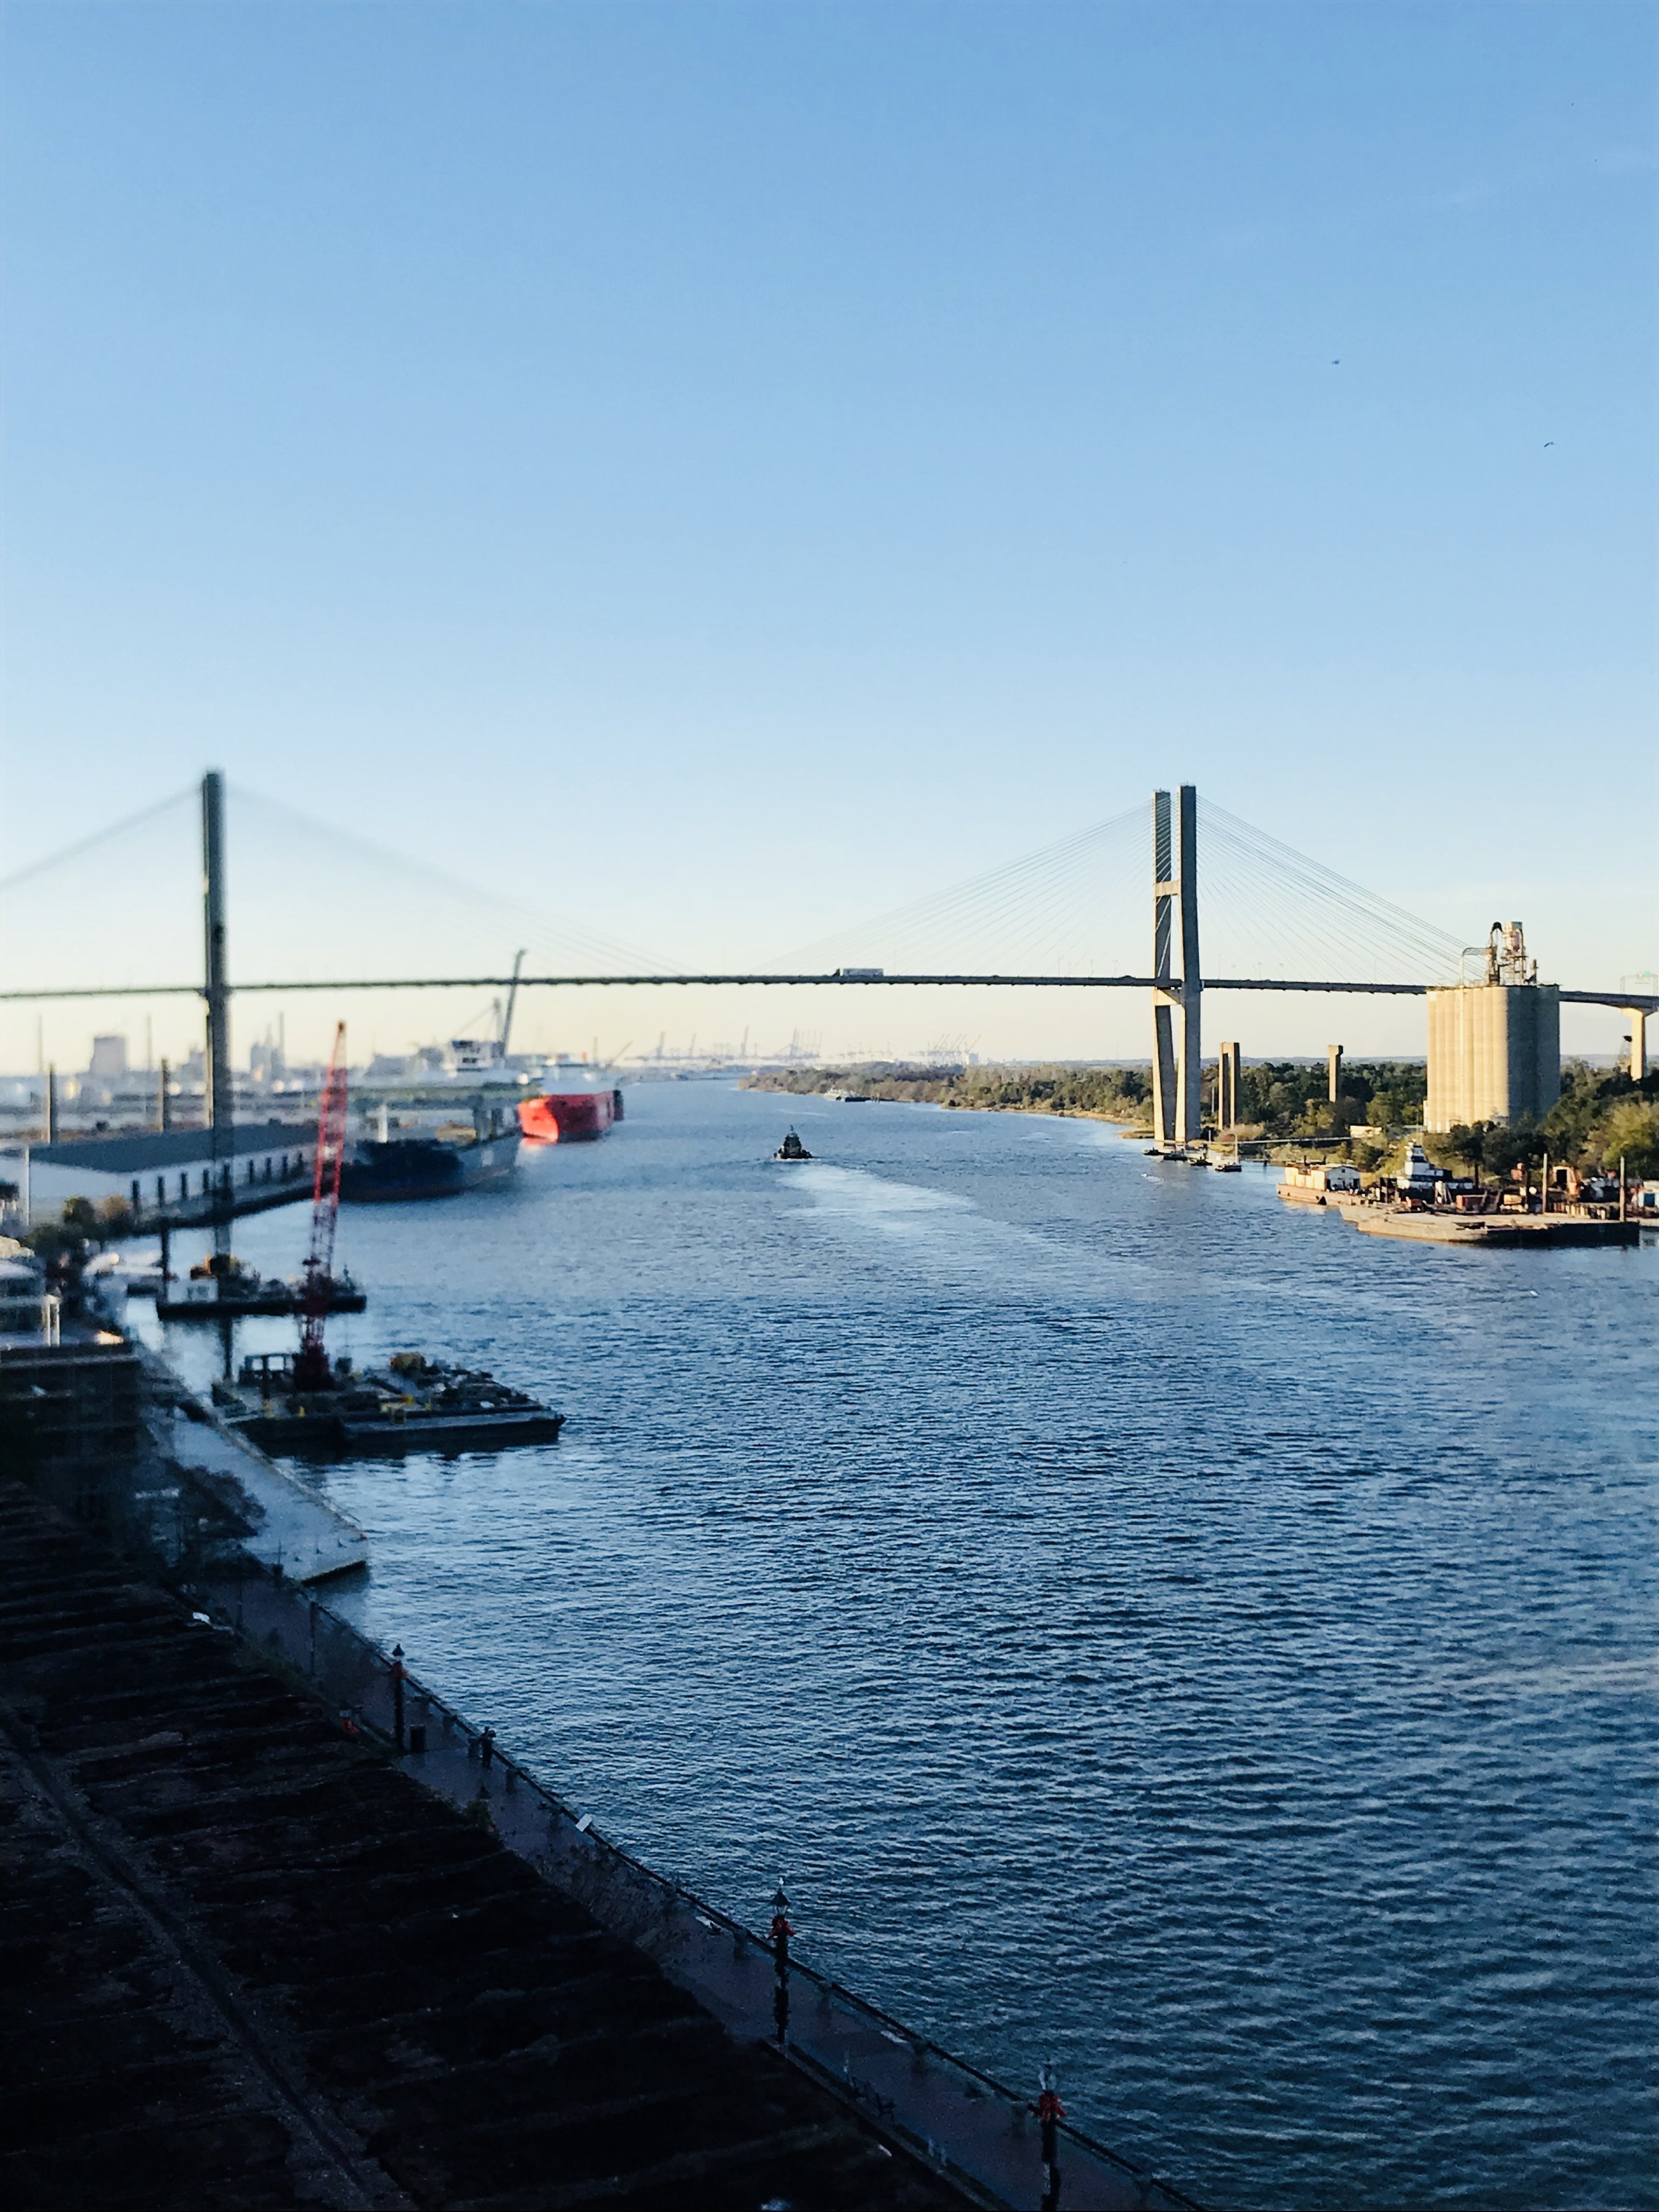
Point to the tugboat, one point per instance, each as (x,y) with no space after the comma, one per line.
(791,1149)
(412,1404)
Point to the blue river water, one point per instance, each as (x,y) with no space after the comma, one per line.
(1150,1627)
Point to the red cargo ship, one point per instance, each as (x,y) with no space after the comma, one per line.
(569,1117)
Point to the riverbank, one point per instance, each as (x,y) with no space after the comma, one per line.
(1094,1094)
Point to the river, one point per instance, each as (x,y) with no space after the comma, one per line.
(1150,1627)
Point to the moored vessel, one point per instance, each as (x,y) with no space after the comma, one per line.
(436,1161)
(221,1291)
(569,1117)
(411,1404)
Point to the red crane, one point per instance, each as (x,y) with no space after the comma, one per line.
(317,1283)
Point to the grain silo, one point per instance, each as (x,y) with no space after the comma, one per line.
(1495,1046)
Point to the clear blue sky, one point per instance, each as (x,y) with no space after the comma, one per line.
(721,469)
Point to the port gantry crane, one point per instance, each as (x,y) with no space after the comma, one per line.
(317,1283)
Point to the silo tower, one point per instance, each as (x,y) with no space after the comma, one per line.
(1495,1044)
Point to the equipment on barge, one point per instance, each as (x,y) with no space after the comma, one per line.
(224,1289)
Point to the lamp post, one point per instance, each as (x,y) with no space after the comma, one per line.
(1050,2112)
(781,1931)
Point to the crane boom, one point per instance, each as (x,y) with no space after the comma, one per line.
(317,1284)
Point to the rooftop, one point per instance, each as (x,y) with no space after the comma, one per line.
(149,1149)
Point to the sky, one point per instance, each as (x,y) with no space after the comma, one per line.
(712,472)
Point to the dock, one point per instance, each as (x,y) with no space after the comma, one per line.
(1531,1232)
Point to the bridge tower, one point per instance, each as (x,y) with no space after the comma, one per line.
(1177,1061)
(216,989)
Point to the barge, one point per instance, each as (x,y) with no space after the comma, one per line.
(412,1404)
(230,1291)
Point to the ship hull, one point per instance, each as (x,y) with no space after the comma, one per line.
(571,1117)
(332,1436)
(412,1168)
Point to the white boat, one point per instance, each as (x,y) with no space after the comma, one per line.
(1419,1175)
(137,1274)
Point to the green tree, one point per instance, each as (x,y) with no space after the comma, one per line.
(1469,1145)
(1630,1132)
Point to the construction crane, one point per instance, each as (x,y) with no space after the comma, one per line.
(317,1282)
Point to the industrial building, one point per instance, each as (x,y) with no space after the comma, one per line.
(1495,1045)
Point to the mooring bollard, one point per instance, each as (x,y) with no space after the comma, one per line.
(781,1931)
(487,1746)
(399,1676)
(1050,2112)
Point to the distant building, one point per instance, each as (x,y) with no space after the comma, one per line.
(109,1059)
(1495,1046)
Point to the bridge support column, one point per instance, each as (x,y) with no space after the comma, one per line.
(1192,987)
(1637,1017)
(1177,1060)
(1333,1071)
(1226,1105)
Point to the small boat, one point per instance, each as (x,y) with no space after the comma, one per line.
(791,1149)
(138,1274)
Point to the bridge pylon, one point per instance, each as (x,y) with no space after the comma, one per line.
(1177,1056)
(216,989)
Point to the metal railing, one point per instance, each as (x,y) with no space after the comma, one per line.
(962,2121)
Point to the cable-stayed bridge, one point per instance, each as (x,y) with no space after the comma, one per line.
(1061,918)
